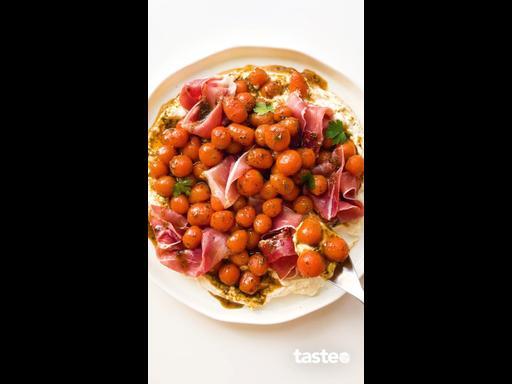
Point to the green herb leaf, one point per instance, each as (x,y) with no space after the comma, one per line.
(308,179)
(336,133)
(334,129)
(182,186)
(263,108)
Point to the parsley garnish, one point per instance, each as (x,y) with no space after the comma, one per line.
(308,179)
(336,133)
(182,186)
(263,108)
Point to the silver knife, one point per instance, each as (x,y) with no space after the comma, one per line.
(348,281)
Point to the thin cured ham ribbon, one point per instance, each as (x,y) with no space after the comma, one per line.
(222,177)
(287,218)
(277,245)
(280,252)
(202,98)
(340,199)
(313,120)
(195,123)
(169,227)
(191,93)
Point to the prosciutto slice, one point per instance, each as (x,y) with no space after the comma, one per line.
(195,123)
(280,252)
(202,98)
(191,93)
(286,219)
(317,119)
(186,261)
(166,214)
(222,177)
(298,107)
(214,249)
(313,120)
(198,261)
(327,204)
(237,171)
(214,89)
(331,204)
(350,208)
(211,89)
(217,178)
(348,186)
(348,211)
(169,228)
(285,267)
(167,225)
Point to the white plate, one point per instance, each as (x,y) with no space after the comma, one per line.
(187,290)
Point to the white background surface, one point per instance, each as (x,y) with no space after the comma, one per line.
(185,346)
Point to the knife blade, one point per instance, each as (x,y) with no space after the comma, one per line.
(348,280)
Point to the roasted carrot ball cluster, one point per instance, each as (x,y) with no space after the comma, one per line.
(280,176)
(313,262)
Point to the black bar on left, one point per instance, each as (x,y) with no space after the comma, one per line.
(79,235)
